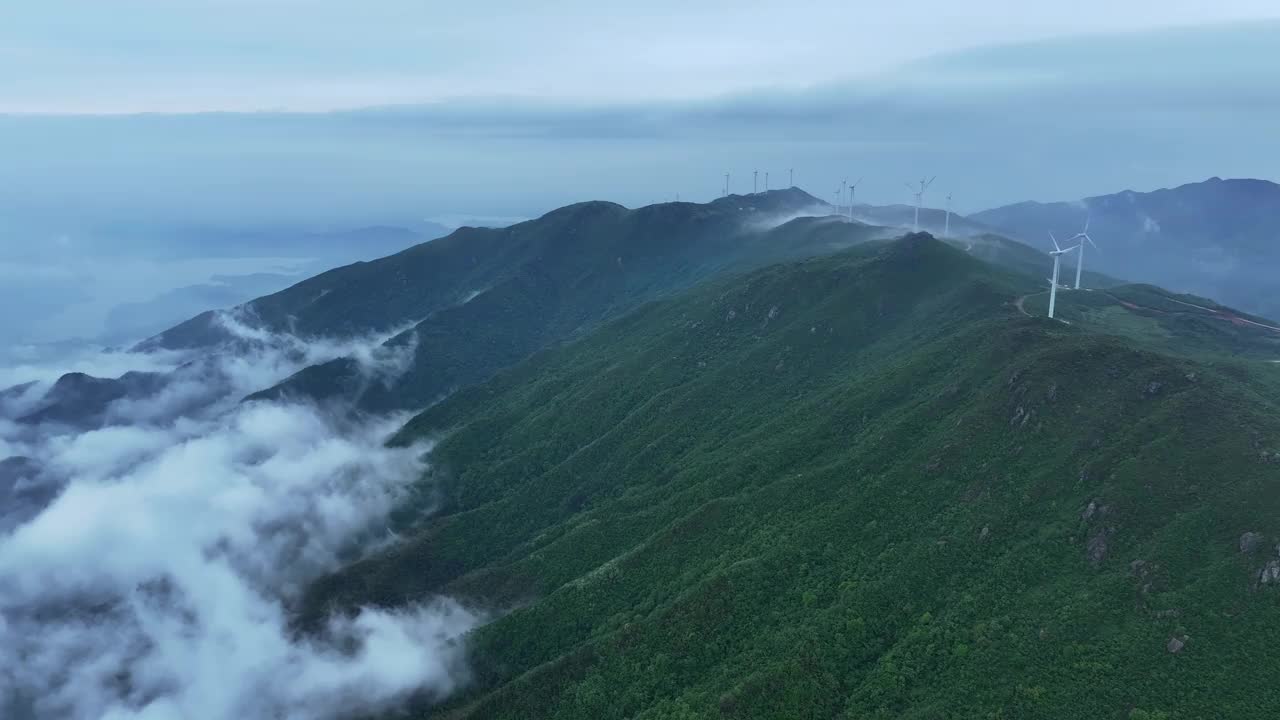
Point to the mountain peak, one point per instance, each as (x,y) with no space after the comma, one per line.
(792,198)
(919,247)
(581,210)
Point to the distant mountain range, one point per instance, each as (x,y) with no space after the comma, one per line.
(1218,238)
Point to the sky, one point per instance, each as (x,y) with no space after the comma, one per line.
(78,56)
(151,131)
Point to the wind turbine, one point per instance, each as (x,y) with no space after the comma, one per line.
(726,184)
(853,189)
(843,184)
(1057,254)
(947,231)
(924,185)
(755,181)
(766,181)
(1083,236)
(791,182)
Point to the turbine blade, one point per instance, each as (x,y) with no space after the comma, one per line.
(1055,241)
(1094,244)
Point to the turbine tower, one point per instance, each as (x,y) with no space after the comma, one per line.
(791,182)
(1057,254)
(853,189)
(924,185)
(947,231)
(726,184)
(1083,236)
(766,181)
(755,181)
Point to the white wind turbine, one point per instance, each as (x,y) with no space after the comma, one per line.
(1082,236)
(853,190)
(924,185)
(1057,254)
(947,231)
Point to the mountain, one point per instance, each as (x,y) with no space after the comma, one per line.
(862,485)
(458,309)
(427,278)
(746,459)
(83,401)
(1216,238)
(482,299)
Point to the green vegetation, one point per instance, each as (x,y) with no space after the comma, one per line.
(860,486)
(1168,322)
(558,277)
(481,300)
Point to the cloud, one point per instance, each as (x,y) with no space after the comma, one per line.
(768,221)
(158,582)
(205,56)
(177,382)
(88,359)
(1046,119)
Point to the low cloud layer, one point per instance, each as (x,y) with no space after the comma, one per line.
(159,580)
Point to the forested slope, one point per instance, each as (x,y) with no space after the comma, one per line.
(857,486)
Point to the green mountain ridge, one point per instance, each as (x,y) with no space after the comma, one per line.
(595,261)
(412,284)
(858,486)
(483,299)
(579,266)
